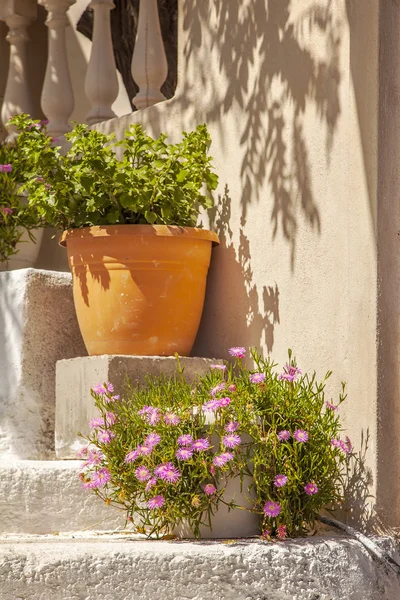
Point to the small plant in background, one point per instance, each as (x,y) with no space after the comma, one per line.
(165,452)
(16,215)
(152,183)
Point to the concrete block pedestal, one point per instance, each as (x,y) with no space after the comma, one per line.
(75,377)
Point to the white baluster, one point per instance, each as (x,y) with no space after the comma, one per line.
(101,84)
(17,99)
(57,94)
(149,61)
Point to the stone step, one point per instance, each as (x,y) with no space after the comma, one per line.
(41,497)
(117,568)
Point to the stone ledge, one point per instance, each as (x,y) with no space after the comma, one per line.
(74,378)
(110,568)
(47,496)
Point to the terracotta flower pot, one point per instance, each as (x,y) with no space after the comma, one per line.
(139,289)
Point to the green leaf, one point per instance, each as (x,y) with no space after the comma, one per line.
(150,217)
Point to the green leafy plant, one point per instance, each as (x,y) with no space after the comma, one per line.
(16,215)
(165,451)
(98,181)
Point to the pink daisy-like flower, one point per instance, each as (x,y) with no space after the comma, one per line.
(6,210)
(184,453)
(300,435)
(311,489)
(111,418)
(331,406)
(280,480)
(113,398)
(101,477)
(257,378)
(200,445)
(281,532)
(143,473)
(185,440)
(83,452)
(132,456)
(99,389)
(154,417)
(152,440)
(289,373)
(237,352)
(167,472)
(104,437)
(284,435)
(272,509)
(232,387)
(171,419)
(231,440)
(224,401)
(152,482)
(97,423)
(89,485)
(110,387)
(145,450)
(220,460)
(218,367)
(156,502)
(210,489)
(6,168)
(232,426)
(218,388)
(211,405)
(94,458)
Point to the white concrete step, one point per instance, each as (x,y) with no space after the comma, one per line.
(47,496)
(116,568)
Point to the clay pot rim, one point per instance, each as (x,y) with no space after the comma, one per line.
(174,231)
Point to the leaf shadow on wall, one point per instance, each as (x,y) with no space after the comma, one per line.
(289,79)
(239,299)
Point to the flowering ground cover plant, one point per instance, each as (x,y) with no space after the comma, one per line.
(153,182)
(16,216)
(165,452)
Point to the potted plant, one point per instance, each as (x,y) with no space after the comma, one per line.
(19,221)
(238,452)
(128,212)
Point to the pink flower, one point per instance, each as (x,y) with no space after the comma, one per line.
(145,450)
(218,388)
(284,435)
(167,472)
(257,378)
(101,477)
(95,457)
(200,445)
(171,419)
(96,423)
(113,398)
(231,440)
(232,387)
(218,367)
(310,489)
(142,473)
(184,453)
(281,532)
(156,502)
(99,389)
(210,489)
(232,426)
(154,417)
(111,418)
(220,460)
(211,405)
(237,352)
(132,456)
(185,440)
(266,533)
(331,406)
(289,373)
(152,482)
(5,168)
(6,210)
(152,440)
(300,435)
(272,509)
(83,452)
(224,401)
(105,437)
(110,387)
(280,480)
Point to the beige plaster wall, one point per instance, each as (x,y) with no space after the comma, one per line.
(289,91)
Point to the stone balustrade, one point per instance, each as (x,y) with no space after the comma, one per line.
(149,62)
